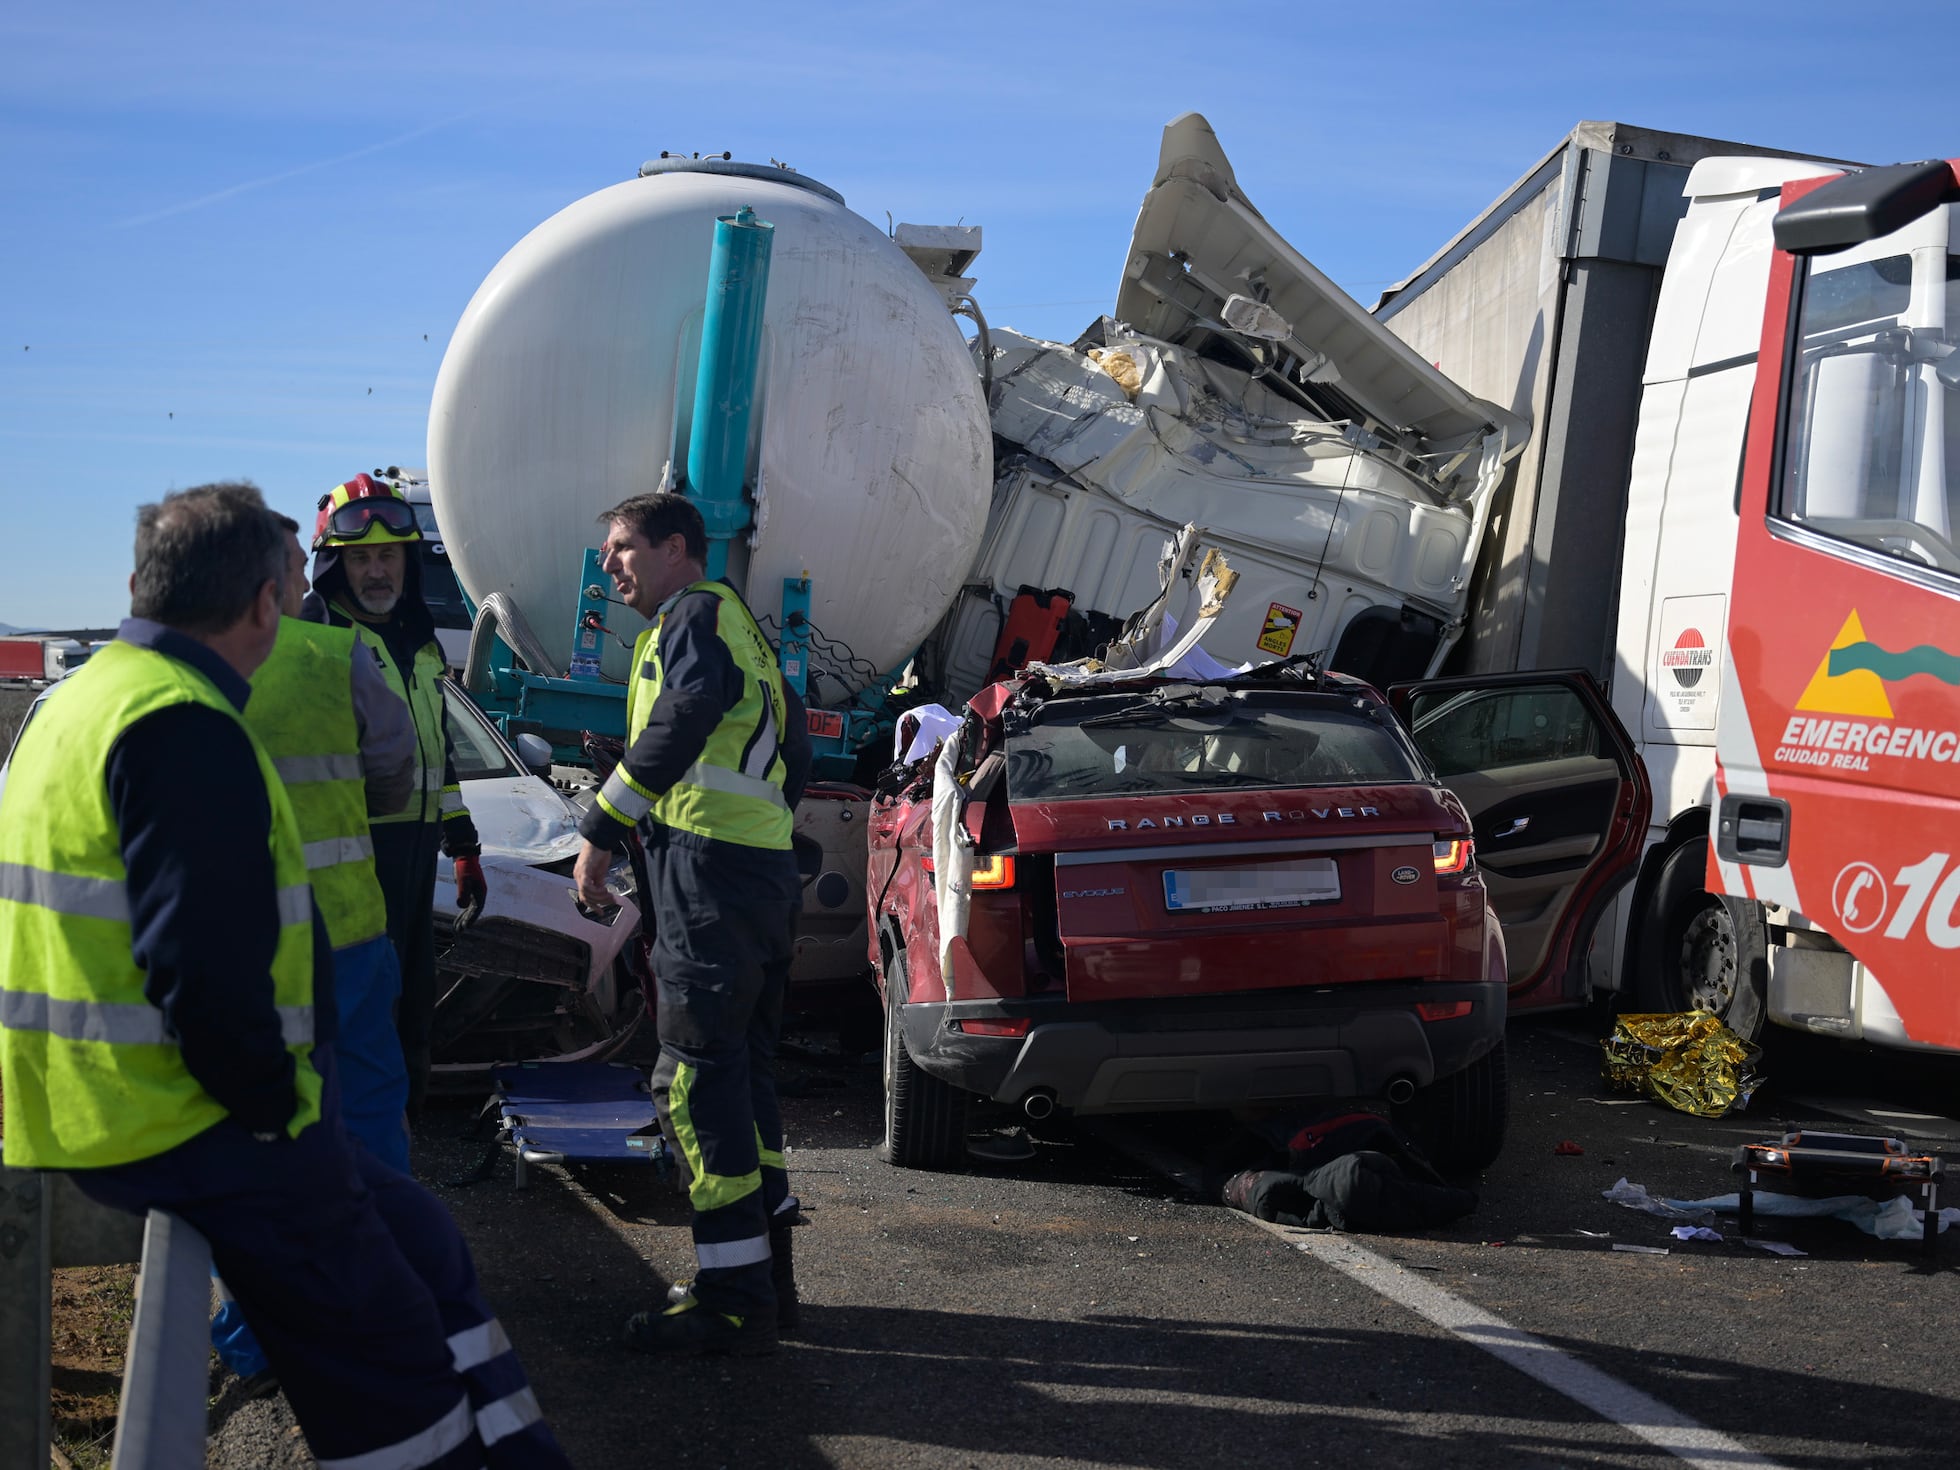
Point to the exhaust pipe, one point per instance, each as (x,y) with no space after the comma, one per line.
(1401,1089)
(1039,1104)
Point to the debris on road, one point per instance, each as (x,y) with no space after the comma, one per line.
(1694,1232)
(1635,1197)
(1640,1250)
(1892,1219)
(1567,1149)
(1689,1061)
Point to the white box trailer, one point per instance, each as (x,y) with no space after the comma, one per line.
(1545,303)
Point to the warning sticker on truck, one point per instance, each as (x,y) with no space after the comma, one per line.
(1282,624)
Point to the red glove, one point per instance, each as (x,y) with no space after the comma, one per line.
(471,891)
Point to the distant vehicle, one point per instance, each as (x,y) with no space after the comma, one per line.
(33,658)
(535,976)
(1244,892)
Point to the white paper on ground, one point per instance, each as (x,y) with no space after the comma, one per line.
(1892,1219)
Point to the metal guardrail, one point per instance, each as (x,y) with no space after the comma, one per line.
(45,1223)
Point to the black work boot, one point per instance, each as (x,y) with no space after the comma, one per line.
(690,1330)
(782,1268)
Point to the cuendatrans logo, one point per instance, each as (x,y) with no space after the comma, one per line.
(1688,659)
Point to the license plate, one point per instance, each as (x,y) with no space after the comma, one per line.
(1258,886)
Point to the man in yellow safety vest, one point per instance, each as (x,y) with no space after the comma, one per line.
(717,754)
(366,576)
(166,1016)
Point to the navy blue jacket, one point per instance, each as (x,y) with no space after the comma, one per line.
(196,825)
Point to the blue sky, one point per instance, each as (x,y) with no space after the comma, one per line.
(237,237)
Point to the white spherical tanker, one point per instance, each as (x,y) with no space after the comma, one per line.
(570,380)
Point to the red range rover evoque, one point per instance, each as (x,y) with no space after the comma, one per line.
(1275,887)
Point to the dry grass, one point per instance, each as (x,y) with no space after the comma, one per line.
(93,1308)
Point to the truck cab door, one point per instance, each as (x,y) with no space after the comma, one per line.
(1837,786)
(1558,801)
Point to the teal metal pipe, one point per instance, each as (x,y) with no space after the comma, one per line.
(724,387)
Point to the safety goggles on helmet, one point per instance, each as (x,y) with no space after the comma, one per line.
(362,510)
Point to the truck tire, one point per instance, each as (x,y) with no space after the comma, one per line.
(1701,951)
(925,1118)
(1460,1120)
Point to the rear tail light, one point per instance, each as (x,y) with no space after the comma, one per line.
(1454,856)
(995,872)
(1009,1026)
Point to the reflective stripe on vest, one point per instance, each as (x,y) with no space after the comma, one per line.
(302,770)
(125,1023)
(734,790)
(331,852)
(94,1078)
(302,710)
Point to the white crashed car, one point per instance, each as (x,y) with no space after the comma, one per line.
(534,976)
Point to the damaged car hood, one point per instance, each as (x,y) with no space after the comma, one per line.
(523,818)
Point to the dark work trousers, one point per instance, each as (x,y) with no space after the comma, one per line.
(721,957)
(405,856)
(359,1288)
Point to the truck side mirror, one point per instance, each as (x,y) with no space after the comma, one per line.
(535,752)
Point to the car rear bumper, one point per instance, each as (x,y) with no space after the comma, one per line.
(1209,1052)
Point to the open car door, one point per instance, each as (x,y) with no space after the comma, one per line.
(1558,800)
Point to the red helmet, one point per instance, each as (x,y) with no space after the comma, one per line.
(364,510)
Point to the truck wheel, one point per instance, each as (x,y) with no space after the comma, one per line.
(1460,1120)
(1702,951)
(925,1118)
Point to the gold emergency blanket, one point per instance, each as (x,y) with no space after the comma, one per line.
(1689,1060)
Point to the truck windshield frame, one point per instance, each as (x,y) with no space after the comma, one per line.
(1871,406)
(1122,745)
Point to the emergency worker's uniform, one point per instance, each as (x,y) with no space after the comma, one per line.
(717,756)
(434,820)
(166,1014)
(344,747)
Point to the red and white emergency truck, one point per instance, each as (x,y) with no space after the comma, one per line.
(1838,718)
(1736,511)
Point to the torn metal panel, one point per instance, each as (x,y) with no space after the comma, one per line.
(1199,241)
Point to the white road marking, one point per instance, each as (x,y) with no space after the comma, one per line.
(1859,1110)
(1618,1403)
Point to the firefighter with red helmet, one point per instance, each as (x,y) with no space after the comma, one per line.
(367,576)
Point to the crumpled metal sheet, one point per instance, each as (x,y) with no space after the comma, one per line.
(1688,1060)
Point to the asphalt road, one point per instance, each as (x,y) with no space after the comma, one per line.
(1085,1309)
